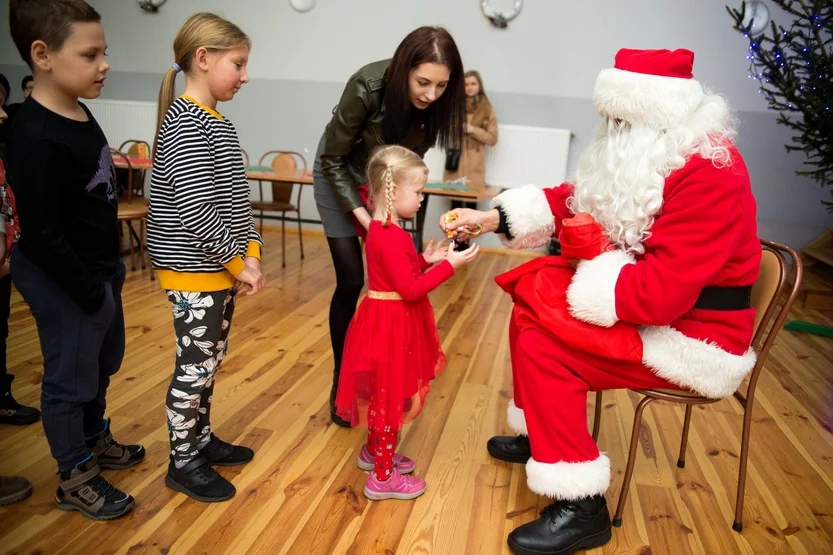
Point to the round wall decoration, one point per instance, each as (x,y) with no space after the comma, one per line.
(302,5)
(499,19)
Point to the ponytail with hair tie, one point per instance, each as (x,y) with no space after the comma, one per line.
(201,30)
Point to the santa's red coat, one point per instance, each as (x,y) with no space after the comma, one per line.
(704,235)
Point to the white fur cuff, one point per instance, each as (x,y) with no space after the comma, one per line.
(591,296)
(515,419)
(529,216)
(569,481)
(694,364)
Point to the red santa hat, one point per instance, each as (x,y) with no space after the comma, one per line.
(654,87)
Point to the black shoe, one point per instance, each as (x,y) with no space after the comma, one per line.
(84,489)
(12,412)
(113,455)
(14,489)
(514,449)
(198,480)
(564,528)
(337,420)
(220,453)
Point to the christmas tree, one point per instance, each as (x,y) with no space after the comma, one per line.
(794,67)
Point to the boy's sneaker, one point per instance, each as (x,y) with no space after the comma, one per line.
(12,412)
(111,454)
(198,480)
(14,489)
(220,453)
(400,462)
(398,486)
(84,489)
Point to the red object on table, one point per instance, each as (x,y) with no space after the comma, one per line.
(133,160)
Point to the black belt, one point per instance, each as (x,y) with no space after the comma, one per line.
(724,298)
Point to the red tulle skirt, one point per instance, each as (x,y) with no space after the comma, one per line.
(392,352)
(539,291)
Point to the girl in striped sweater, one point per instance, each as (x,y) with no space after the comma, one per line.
(202,241)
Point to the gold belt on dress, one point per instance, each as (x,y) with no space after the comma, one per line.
(384,295)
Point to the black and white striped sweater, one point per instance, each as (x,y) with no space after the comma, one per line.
(200,224)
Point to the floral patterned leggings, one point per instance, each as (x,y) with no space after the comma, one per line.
(202,322)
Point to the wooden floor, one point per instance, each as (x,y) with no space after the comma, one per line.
(303,492)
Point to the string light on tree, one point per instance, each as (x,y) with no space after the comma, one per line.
(794,70)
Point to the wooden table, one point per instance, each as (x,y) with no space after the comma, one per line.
(298,176)
(460,193)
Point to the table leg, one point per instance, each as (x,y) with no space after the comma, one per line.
(420,224)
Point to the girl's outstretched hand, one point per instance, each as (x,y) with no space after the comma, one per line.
(458,259)
(434,252)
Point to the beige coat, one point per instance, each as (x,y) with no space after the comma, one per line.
(473,155)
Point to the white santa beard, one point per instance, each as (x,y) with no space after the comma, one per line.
(619,181)
(621,176)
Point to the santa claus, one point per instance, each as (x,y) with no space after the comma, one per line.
(673,198)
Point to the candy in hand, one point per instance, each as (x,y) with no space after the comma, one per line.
(468,230)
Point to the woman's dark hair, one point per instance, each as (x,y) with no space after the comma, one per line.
(26,81)
(445,118)
(4,84)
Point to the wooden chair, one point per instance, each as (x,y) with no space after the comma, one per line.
(776,277)
(133,209)
(283,162)
(245,157)
(139,149)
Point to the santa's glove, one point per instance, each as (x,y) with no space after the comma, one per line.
(583,238)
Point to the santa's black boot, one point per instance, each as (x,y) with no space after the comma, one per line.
(513,449)
(564,528)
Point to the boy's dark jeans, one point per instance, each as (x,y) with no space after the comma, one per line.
(80,353)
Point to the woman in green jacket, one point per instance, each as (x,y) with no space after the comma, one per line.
(415,100)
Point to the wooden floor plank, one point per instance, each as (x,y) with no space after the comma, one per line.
(303,492)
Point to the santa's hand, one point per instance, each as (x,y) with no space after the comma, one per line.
(472,222)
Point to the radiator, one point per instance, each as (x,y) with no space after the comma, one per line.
(521,156)
(122,120)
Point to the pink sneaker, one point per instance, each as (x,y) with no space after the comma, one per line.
(400,462)
(398,486)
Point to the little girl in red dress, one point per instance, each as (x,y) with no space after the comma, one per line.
(392,351)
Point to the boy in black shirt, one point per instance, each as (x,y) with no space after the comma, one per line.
(67,262)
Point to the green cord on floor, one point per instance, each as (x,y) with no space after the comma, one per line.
(807,327)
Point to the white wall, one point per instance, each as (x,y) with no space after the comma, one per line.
(554,48)
(540,72)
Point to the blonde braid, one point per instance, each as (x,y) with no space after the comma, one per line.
(388,195)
